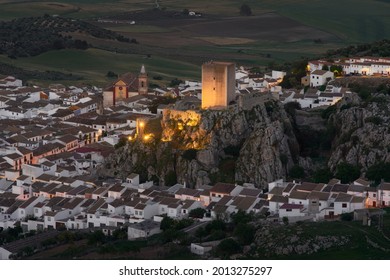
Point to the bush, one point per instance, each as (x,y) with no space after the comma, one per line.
(197,213)
(245,233)
(170,178)
(175,82)
(245,10)
(322,175)
(227,248)
(346,217)
(379,171)
(347,172)
(111,74)
(296,172)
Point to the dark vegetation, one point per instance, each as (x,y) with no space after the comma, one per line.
(25,74)
(379,171)
(245,10)
(35,35)
(378,48)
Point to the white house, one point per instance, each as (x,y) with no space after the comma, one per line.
(143,229)
(291,210)
(203,248)
(320,77)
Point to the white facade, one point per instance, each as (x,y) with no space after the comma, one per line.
(143,230)
(317,78)
(291,213)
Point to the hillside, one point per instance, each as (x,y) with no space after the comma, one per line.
(35,35)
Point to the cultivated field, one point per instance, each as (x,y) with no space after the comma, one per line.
(278,31)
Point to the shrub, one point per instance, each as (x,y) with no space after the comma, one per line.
(245,10)
(170,178)
(296,172)
(197,213)
(227,248)
(347,172)
(346,217)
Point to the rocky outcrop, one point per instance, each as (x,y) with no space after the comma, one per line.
(362,135)
(254,146)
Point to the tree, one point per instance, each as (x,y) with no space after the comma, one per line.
(96,238)
(227,248)
(175,82)
(167,223)
(296,172)
(379,171)
(120,234)
(111,74)
(197,213)
(245,10)
(241,217)
(170,178)
(347,172)
(245,233)
(325,67)
(336,69)
(322,175)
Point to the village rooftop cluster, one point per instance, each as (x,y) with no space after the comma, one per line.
(52,141)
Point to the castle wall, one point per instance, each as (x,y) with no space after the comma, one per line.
(184,116)
(250,100)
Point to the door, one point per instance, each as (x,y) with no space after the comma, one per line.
(374,204)
(331,214)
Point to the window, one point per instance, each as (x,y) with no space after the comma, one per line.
(288,210)
(344,205)
(49,219)
(374,195)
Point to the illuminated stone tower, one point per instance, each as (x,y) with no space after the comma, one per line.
(218,84)
(143,81)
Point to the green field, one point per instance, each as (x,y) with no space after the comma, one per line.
(94,64)
(278,31)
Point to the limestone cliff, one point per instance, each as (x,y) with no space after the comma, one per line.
(234,145)
(362,135)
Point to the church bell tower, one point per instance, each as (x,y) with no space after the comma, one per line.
(143,81)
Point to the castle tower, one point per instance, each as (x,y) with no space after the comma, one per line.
(143,81)
(218,84)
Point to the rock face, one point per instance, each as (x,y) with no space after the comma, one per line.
(362,135)
(254,146)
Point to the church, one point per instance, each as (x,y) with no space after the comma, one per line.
(126,86)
